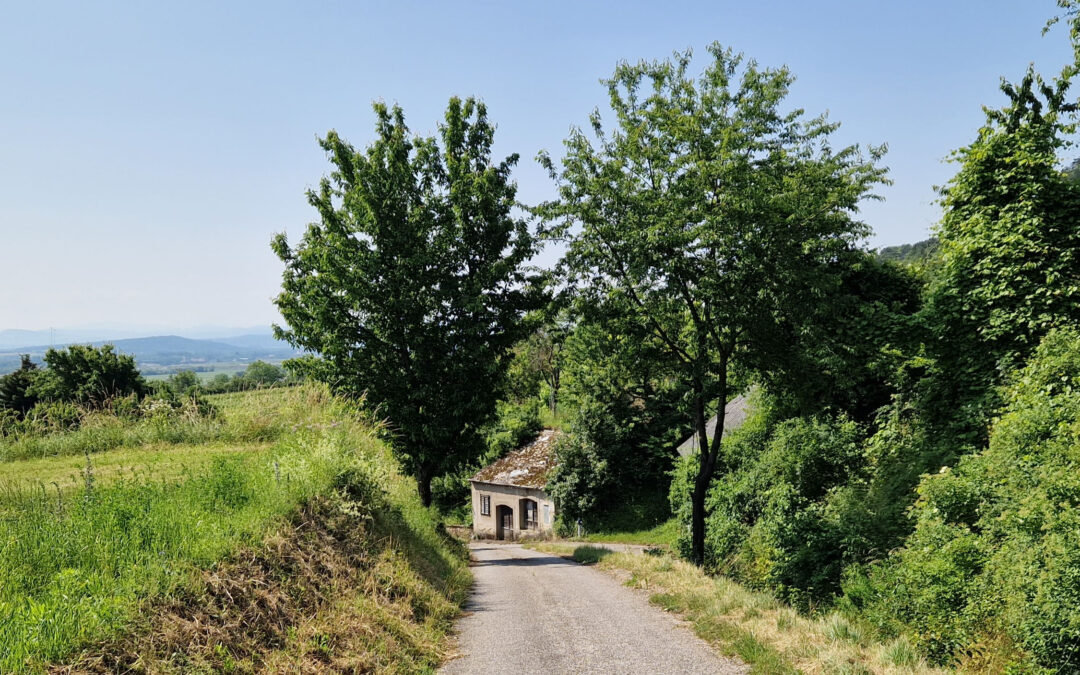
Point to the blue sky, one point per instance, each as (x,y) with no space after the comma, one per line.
(148,151)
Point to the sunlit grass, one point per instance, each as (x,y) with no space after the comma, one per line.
(78,558)
(768,635)
(666,534)
(160,460)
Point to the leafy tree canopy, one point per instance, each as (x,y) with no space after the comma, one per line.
(261,373)
(412,286)
(15,393)
(1010,246)
(710,214)
(88,375)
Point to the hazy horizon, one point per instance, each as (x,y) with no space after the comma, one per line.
(11,339)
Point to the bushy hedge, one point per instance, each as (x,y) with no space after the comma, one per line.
(995,555)
(771,522)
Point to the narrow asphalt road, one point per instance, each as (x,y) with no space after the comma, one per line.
(538,613)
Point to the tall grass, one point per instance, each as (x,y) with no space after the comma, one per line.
(75,567)
(241,418)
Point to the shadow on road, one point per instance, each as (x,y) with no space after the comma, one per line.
(523,562)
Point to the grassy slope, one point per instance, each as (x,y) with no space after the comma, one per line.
(159,460)
(250,417)
(666,534)
(77,572)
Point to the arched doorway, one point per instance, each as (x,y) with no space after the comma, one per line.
(504,522)
(529,516)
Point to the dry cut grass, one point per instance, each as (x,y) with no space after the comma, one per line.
(769,635)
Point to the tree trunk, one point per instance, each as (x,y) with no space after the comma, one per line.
(697,497)
(423,485)
(697,523)
(553,382)
(710,451)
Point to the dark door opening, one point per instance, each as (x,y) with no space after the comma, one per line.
(529,515)
(504,522)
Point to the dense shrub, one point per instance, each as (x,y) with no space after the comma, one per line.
(514,425)
(88,375)
(770,521)
(995,555)
(15,388)
(580,475)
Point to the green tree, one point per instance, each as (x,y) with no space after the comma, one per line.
(710,215)
(184,381)
(626,416)
(15,387)
(88,375)
(412,287)
(263,374)
(1010,247)
(538,359)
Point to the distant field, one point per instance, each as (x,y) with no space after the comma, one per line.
(206,371)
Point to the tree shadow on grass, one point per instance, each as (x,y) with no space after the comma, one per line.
(436,556)
(589,555)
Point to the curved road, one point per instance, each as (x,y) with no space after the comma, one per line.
(538,613)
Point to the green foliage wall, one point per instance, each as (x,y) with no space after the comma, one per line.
(627,415)
(1010,250)
(995,555)
(772,519)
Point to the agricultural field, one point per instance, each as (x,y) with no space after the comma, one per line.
(141,541)
(204,371)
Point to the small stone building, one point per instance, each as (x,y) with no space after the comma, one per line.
(508,497)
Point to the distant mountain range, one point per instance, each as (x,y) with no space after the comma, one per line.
(168,353)
(65,335)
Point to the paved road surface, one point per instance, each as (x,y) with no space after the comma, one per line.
(537,613)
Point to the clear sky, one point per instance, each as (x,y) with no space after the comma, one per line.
(149,150)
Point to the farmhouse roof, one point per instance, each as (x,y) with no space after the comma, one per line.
(735,413)
(525,467)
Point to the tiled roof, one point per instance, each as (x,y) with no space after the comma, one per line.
(525,467)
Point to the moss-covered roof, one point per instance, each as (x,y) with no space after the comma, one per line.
(525,467)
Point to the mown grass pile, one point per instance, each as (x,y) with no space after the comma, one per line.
(83,567)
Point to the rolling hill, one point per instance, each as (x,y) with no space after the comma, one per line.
(165,353)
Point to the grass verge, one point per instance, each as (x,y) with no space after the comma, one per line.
(755,627)
(664,535)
